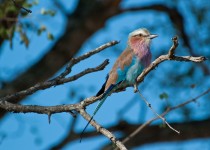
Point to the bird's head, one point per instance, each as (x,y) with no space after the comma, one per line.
(140,36)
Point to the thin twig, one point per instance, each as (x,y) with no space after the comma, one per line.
(140,128)
(174,46)
(162,118)
(60,79)
(74,61)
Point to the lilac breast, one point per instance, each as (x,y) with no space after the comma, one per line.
(142,50)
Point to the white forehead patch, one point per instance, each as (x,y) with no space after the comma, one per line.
(142,31)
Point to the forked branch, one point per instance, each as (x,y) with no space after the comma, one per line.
(5,102)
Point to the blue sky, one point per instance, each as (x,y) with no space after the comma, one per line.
(34,131)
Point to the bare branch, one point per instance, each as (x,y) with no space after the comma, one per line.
(170,56)
(159,116)
(74,61)
(17,108)
(127,128)
(60,79)
(80,106)
(86,71)
(48,84)
(174,46)
(140,128)
(102,130)
(90,100)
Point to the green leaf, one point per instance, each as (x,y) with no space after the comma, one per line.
(47,12)
(10,33)
(3,33)
(24,39)
(163,96)
(27,5)
(36,2)
(50,36)
(43,11)
(52,13)
(23,36)
(41,29)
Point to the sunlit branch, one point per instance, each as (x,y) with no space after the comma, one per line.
(102,130)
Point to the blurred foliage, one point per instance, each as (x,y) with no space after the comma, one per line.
(8,19)
(14,19)
(48,12)
(23,36)
(41,30)
(163,96)
(50,36)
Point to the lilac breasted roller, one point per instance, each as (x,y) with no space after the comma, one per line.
(128,65)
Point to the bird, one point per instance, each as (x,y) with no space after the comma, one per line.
(128,66)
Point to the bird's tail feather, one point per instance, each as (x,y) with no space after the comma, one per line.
(83,131)
(94,113)
(101,91)
(105,95)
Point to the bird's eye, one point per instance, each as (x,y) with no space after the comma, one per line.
(140,34)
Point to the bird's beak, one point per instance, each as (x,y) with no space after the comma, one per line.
(152,36)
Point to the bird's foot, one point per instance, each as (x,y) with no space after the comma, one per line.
(135,88)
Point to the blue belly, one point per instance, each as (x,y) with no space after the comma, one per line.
(134,71)
(131,72)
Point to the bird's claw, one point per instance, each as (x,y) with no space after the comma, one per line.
(135,88)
